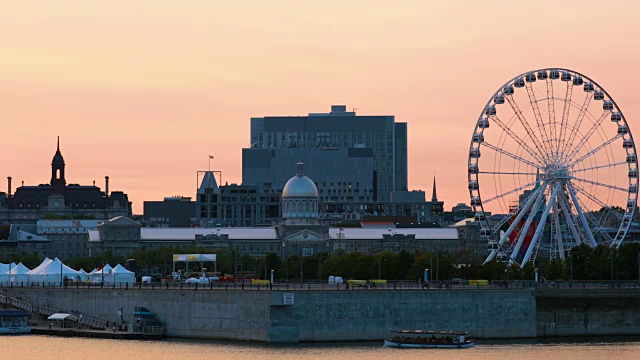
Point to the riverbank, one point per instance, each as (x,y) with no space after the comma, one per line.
(317,316)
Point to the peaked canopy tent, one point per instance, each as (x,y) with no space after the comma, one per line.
(5,267)
(98,275)
(18,274)
(120,276)
(83,275)
(55,272)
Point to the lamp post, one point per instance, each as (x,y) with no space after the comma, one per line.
(571,267)
(426,276)
(611,257)
(272,276)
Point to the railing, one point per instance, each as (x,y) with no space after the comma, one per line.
(87,320)
(373,285)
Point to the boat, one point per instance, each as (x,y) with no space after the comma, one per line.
(425,339)
(14,322)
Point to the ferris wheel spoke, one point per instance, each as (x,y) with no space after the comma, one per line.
(594,151)
(517,139)
(574,129)
(565,116)
(600,184)
(543,220)
(558,231)
(583,219)
(598,167)
(527,224)
(588,134)
(527,127)
(505,173)
(515,157)
(552,111)
(524,187)
(536,113)
(594,199)
(568,218)
(598,226)
(521,211)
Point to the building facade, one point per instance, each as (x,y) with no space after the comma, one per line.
(59,200)
(322,136)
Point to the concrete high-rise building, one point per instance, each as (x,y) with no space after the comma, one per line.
(343,152)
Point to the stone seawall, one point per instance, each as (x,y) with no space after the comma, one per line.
(587,312)
(313,316)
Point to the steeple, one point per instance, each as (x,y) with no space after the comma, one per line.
(434,197)
(58,182)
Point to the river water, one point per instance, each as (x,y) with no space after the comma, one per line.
(46,347)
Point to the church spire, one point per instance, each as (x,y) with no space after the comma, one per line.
(58,143)
(434,197)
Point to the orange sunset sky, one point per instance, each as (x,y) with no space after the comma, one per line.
(145,90)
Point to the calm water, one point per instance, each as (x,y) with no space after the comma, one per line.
(45,347)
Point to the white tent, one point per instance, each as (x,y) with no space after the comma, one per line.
(42,265)
(5,267)
(54,273)
(19,274)
(121,276)
(83,275)
(97,276)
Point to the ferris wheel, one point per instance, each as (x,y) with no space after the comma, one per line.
(552,164)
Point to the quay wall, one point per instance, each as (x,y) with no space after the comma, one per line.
(586,312)
(313,316)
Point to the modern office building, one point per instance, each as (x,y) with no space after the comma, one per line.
(322,139)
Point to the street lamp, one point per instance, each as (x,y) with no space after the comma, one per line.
(571,266)
(379,268)
(272,276)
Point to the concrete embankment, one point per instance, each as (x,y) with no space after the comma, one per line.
(587,312)
(312,316)
(302,315)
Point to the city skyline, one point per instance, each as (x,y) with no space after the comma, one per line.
(145,92)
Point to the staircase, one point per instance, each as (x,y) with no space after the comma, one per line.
(87,320)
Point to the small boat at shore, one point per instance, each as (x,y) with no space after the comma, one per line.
(427,339)
(14,322)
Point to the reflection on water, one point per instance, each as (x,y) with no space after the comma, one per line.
(46,347)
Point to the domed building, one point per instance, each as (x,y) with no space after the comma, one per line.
(300,200)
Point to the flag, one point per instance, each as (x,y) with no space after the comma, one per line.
(210,156)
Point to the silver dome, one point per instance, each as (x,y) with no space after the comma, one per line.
(300,186)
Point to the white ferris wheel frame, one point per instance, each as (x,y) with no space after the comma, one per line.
(556,164)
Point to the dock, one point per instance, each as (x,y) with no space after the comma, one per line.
(97,334)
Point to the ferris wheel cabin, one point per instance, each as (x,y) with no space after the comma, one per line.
(607,105)
(631,158)
(508,90)
(473,185)
(598,95)
(554,74)
(519,83)
(616,117)
(542,75)
(483,123)
(531,77)
(473,169)
(588,87)
(474,153)
(627,144)
(577,81)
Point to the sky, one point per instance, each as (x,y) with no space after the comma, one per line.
(144,91)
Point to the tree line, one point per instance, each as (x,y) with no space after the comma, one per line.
(581,263)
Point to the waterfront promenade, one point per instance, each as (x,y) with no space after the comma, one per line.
(318,312)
